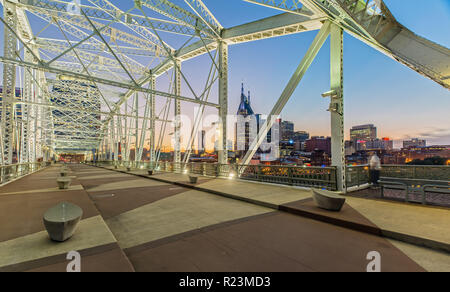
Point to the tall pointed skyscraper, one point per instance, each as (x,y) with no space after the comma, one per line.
(247,125)
(245,108)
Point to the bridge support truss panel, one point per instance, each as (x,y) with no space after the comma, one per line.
(223,102)
(337,104)
(149,116)
(152,122)
(9,83)
(177,115)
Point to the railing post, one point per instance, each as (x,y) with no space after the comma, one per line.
(290,176)
(424,194)
(407,194)
(358,173)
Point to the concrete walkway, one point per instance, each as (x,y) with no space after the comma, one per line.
(134,223)
(24,243)
(412,223)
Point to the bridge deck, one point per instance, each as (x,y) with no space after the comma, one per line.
(133,223)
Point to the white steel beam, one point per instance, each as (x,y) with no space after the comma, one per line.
(177,114)
(208,18)
(223,102)
(337,105)
(114,83)
(270,27)
(9,83)
(288,91)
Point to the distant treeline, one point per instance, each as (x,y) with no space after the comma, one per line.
(437,160)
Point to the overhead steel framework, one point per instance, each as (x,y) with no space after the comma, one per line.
(87,74)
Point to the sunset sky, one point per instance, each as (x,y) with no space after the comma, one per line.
(378,90)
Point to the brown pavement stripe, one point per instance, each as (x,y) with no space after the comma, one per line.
(348,217)
(175,178)
(116,202)
(89,184)
(102,176)
(72,187)
(105,258)
(181,236)
(88,175)
(201,180)
(278,242)
(42,179)
(22,215)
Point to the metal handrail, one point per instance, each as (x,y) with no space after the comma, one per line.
(15,171)
(322,177)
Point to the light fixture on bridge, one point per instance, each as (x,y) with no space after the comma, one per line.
(331,93)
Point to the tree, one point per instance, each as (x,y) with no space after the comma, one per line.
(436,160)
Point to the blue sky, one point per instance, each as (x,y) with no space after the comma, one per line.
(378,90)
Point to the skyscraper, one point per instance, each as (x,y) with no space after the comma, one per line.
(247,130)
(363,136)
(414,143)
(300,138)
(287,131)
(247,125)
(363,133)
(319,144)
(201,141)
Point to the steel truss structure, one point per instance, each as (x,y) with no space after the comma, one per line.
(92,86)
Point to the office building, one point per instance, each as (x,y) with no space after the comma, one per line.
(363,133)
(319,144)
(414,143)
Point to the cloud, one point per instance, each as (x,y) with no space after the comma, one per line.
(434,136)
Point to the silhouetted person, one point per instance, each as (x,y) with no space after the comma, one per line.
(375,168)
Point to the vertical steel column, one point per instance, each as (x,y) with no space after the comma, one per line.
(136,133)
(177,118)
(306,62)
(113,140)
(337,105)
(148,115)
(27,111)
(9,83)
(33,117)
(127,135)
(26,97)
(152,123)
(38,122)
(223,102)
(118,138)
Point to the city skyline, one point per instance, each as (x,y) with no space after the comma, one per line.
(377,89)
(416,105)
(402,103)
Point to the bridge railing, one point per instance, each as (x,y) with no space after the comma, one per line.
(359,175)
(14,171)
(319,177)
(428,172)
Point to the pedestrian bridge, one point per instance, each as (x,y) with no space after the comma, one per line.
(136,222)
(85,79)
